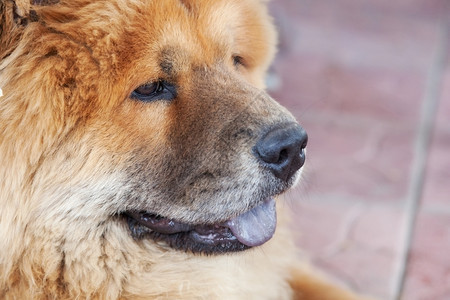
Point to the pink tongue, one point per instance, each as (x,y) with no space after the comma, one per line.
(256,226)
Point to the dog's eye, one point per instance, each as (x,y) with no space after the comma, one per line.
(238,61)
(149,88)
(159,90)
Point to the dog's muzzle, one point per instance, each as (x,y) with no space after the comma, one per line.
(281,152)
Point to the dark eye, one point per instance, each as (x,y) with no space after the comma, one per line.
(149,88)
(158,90)
(238,61)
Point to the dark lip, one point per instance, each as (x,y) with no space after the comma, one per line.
(206,239)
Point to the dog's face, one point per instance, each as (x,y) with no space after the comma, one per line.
(150,114)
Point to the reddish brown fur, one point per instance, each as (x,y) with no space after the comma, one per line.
(76,151)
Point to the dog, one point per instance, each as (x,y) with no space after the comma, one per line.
(141,156)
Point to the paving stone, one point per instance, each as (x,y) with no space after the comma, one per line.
(429,269)
(355,242)
(363,160)
(437,188)
(437,181)
(417,9)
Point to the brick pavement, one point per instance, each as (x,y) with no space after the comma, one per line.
(360,76)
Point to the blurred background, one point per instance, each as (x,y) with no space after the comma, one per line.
(370,82)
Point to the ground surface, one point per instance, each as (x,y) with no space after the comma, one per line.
(370,81)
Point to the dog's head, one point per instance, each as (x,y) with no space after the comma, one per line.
(148,114)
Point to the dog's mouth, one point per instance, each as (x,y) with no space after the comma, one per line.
(250,229)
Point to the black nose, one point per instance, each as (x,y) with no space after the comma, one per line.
(282,150)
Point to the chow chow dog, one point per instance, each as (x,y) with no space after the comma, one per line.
(140,156)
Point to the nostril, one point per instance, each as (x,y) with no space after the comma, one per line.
(284,154)
(305,141)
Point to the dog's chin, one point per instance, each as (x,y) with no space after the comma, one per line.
(250,229)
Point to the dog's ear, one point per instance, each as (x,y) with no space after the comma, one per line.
(15,15)
(20,8)
(10,25)
(23,9)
